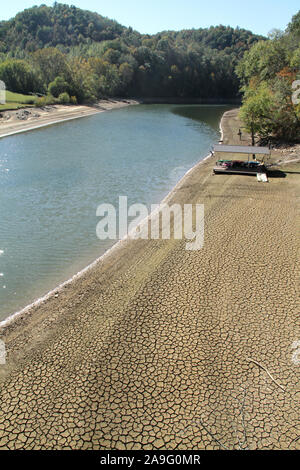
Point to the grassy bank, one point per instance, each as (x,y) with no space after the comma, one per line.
(17,101)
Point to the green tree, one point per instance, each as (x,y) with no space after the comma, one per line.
(294,25)
(58,86)
(18,76)
(263,60)
(126,73)
(64,98)
(50,63)
(268,111)
(267,72)
(258,109)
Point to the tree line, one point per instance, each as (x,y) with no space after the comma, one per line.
(67,54)
(84,56)
(267,73)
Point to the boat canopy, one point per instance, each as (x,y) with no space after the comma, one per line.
(242,149)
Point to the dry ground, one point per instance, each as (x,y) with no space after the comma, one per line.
(154,347)
(10,123)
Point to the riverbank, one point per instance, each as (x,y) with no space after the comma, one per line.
(281,154)
(153,347)
(178,100)
(27,119)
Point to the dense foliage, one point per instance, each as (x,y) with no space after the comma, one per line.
(44,26)
(64,49)
(268,71)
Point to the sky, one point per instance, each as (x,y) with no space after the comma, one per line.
(152,16)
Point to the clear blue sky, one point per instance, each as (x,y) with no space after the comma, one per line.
(152,16)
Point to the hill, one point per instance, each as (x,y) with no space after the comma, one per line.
(43,26)
(93,57)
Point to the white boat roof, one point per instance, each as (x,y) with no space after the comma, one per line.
(242,149)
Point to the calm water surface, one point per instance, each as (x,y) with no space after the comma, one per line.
(53,179)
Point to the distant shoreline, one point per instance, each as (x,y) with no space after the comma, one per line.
(216,101)
(36,118)
(54,114)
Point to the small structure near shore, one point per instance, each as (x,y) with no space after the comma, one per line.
(243,167)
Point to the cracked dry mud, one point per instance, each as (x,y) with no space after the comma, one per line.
(151,349)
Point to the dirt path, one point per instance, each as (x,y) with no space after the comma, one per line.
(154,347)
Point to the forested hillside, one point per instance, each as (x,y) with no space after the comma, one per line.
(269,72)
(44,26)
(65,50)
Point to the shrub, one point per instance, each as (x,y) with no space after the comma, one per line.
(73,100)
(45,101)
(58,86)
(64,98)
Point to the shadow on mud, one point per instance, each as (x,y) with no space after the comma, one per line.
(276,174)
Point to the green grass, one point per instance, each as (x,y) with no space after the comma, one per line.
(16,101)
(8,106)
(18,98)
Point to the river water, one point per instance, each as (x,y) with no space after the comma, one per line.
(53,179)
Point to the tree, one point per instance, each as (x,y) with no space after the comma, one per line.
(58,86)
(294,25)
(267,72)
(51,63)
(268,111)
(83,83)
(257,109)
(263,60)
(126,72)
(64,98)
(18,77)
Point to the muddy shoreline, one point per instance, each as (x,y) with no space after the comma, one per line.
(27,119)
